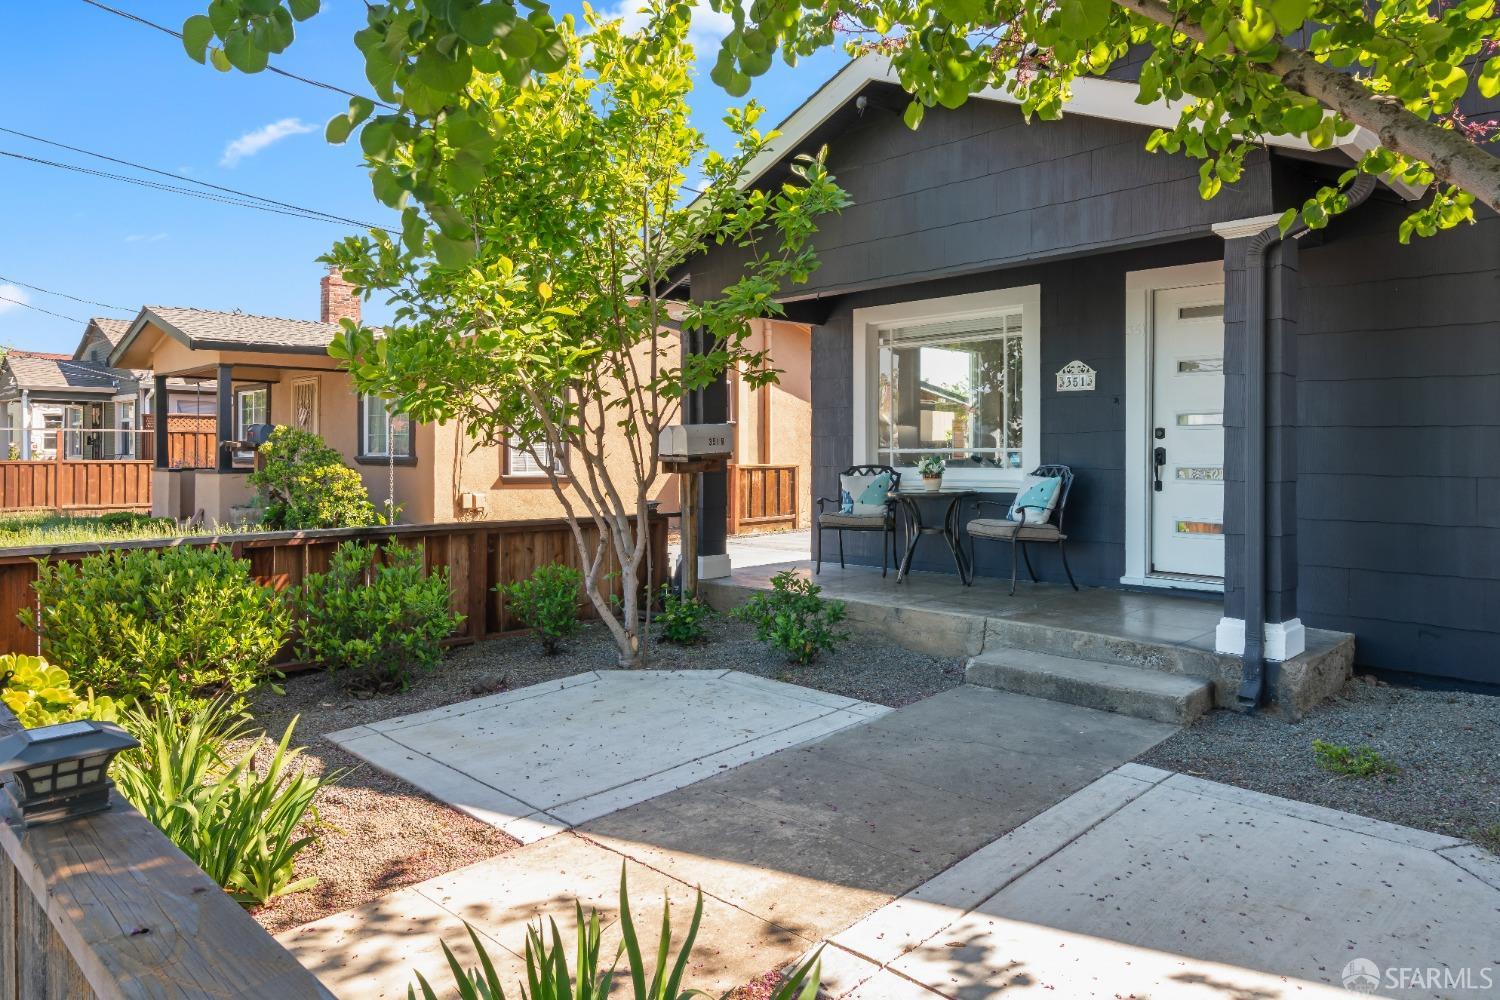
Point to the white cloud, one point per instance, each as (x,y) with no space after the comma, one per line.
(708,28)
(145,237)
(253,142)
(12,292)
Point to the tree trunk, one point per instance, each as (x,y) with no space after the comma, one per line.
(1453,159)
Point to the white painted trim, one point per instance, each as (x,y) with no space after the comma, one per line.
(1092,97)
(866,367)
(713,567)
(1236,229)
(1205,585)
(1283,640)
(1140,291)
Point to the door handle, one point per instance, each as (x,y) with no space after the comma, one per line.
(1160,456)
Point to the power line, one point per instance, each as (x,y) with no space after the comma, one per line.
(279,72)
(311,215)
(49,312)
(190,180)
(64,295)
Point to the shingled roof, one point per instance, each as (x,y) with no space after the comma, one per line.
(39,372)
(205,328)
(113,329)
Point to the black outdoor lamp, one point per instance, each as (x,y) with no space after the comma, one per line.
(53,773)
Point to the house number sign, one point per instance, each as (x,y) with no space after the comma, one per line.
(1075,376)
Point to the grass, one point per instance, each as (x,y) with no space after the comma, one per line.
(1351,762)
(1488,837)
(23,529)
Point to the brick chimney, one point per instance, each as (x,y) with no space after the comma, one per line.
(339,300)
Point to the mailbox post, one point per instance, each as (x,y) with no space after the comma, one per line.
(689,450)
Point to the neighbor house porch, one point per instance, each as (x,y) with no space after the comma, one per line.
(1145,653)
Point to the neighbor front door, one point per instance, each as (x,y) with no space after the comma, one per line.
(1187,433)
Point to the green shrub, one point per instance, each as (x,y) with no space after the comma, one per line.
(548,976)
(794,619)
(547,602)
(682,619)
(307,485)
(243,825)
(1353,762)
(40,694)
(374,615)
(163,624)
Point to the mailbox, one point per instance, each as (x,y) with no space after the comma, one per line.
(697,442)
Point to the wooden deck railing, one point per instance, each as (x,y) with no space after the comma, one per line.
(477,554)
(762,497)
(107,907)
(74,485)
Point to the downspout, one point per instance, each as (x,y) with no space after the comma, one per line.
(1259,255)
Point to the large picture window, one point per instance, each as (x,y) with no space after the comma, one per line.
(956,377)
(952,389)
(384,432)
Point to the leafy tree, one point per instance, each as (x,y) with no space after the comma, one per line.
(307,484)
(543,217)
(1243,70)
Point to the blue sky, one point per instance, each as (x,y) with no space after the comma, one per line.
(77,75)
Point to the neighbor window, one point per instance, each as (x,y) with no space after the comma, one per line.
(520,465)
(953,389)
(251,406)
(384,432)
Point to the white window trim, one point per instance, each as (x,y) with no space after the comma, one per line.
(1140,301)
(867,326)
(362,408)
(514,452)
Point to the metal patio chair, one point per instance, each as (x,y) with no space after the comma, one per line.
(1020,534)
(884,522)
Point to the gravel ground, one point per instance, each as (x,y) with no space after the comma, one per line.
(379,833)
(1445,745)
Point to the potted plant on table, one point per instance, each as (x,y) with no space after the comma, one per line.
(931,470)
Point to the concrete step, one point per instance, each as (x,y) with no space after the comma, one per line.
(1109,687)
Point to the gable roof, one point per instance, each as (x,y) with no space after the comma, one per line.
(114,330)
(61,373)
(207,329)
(1093,97)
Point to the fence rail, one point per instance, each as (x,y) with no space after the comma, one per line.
(106,906)
(762,497)
(105,484)
(479,555)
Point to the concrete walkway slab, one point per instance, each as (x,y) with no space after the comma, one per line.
(534,762)
(1152,884)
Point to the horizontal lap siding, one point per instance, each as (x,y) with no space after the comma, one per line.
(1399,447)
(1083,318)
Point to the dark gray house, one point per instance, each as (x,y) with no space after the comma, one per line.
(994,259)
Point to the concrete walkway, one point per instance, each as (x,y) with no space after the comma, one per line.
(1149,883)
(788,848)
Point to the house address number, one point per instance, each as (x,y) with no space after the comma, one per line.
(1075,376)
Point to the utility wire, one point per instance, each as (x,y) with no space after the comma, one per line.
(279,72)
(190,180)
(28,305)
(309,214)
(63,295)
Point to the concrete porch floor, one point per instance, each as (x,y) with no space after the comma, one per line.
(1171,633)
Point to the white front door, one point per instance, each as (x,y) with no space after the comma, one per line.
(1187,432)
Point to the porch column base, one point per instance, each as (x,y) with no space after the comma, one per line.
(713,567)
(1283,640)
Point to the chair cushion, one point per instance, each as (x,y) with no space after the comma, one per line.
(1036,499)
(1006,530)
(864,493)
(831,520)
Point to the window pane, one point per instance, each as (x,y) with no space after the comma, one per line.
(374,426)
(952,390)
(522,464)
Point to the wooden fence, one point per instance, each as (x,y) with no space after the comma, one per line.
(762,498)
(477,554)
(192,440)
(75,485)
(106,906)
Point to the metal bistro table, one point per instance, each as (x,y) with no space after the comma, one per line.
(912,502)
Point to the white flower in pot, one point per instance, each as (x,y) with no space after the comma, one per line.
(931,470)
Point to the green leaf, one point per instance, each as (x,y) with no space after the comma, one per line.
(1081,20)
(738,84)
(1290,14)
(914,114)
(452,253)
(304,9)
(338,129)
(359,109)
(219,60)
(1489,78)
(244,55)
(197,32)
